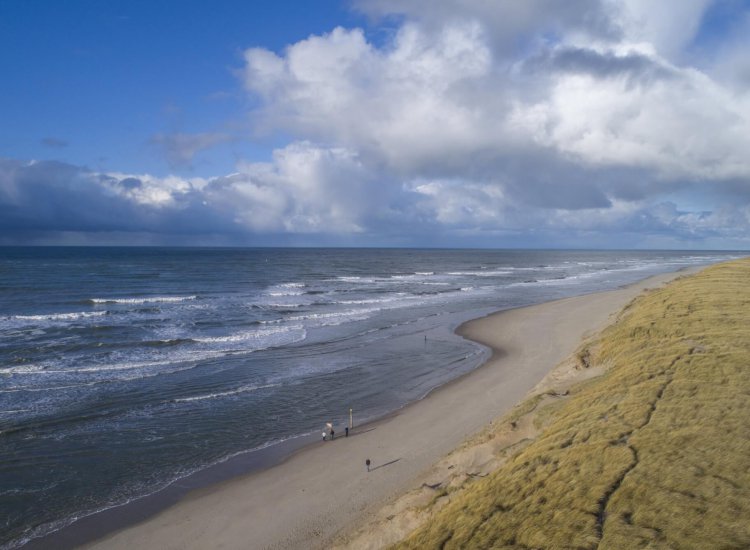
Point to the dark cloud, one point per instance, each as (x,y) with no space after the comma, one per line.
(59,197)
(54,202)
(130,183)
(56,196)
(636,68)
(511,25)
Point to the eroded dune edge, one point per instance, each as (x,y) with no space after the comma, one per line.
(640,438)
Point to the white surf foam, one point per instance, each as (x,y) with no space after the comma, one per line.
(366,301)
(259,338)
(74,316)
(355,279)
(144,300)
(286,289)
(483,273)
(243,389)
(337,317)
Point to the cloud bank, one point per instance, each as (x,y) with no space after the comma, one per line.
(533,123)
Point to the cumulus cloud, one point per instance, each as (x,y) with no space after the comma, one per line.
(677,122)
(305,189)
(404,104)
(482,110)
(473,122)
(441,102)
(512,26)
(667,27)
(52,196)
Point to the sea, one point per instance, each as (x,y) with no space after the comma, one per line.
(123,370)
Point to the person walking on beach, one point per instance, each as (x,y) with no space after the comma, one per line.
(324,436)
(367,463)
(346,431)
(332,432)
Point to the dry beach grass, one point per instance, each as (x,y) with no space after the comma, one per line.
(655,453)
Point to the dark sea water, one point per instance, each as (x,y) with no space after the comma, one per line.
(124,369)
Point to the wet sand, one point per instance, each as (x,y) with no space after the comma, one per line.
(325,490)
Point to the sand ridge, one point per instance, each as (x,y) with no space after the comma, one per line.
(324,493)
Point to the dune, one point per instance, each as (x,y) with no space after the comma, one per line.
(654,453)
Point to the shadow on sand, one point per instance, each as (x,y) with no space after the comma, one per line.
(384,465)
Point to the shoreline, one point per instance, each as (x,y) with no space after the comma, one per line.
(230,494)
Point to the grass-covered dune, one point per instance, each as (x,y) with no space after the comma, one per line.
(655,453)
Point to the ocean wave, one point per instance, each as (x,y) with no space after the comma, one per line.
(278,305)
(524,283)
(104,368)
(483,273)
(144,300)
(286,289)
(23,369)
(74,316)
(265,337)
(336,317)
(27,490)
(124,374)
(355,279)
(167,342)
(168,356)
(410,277)
(437,292)
(365,301)
(243,389)
(18,389)
(173,359)
(13,411)
(277,293)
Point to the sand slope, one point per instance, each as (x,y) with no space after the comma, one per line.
(655,453)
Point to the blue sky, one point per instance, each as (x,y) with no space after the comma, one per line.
(93,82)
(612,123)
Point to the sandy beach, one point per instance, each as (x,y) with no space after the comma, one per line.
(324,491)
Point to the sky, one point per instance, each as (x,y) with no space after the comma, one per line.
(458,123)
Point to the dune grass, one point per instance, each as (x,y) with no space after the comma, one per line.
(653,454)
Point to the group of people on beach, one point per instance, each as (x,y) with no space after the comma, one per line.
(332,433)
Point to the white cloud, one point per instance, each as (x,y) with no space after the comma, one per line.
(599,113)
(667,26)
(683,126)
(561,120)
(463,204)
(404,104)
(511,26)
(306,189)
(147,190)
(436,102)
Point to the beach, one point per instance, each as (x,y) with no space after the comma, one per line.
(323,492)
